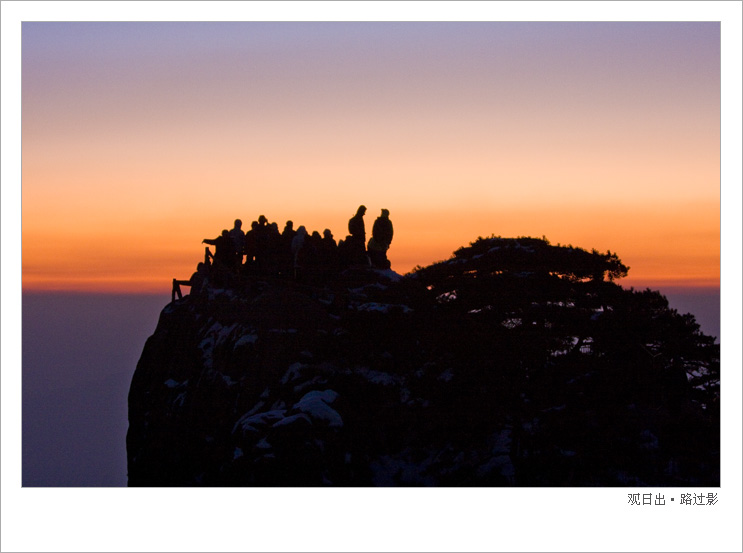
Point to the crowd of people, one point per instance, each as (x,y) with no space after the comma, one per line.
(265,251)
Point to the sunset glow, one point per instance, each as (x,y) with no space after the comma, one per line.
(131,131)
(141,139)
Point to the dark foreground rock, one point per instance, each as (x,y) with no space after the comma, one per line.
(513,363)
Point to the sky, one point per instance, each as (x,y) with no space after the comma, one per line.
(124,145)
(141,139)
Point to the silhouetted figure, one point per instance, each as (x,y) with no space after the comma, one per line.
(270,253)
(328,252)
(356,225)
(298,244)
(196,282)
(311,252)
(250,247)
(262,244)
(224,258)
(274,246)
(355,244)
(223,253)
(380,241)
(199,279)
(288,233)
(286,259)
(238,242)
(328,237)
(382,230)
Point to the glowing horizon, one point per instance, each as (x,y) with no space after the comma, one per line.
(141,139)
(118,267)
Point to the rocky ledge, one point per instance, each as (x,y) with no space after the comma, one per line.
(515,362)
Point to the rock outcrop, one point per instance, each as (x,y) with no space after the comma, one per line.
(513,363)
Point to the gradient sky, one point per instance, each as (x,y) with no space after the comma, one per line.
(141,139)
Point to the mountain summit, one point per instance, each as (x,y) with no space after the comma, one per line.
(514,362)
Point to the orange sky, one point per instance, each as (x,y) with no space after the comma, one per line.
(140,140)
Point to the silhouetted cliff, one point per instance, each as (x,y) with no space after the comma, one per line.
(513,363)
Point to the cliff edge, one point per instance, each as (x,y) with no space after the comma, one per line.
(515,362)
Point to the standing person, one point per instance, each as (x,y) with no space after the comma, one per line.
(286,258)
(274,250)
(222,248)
(356,242)
(224,258)
(328,253)
(380,241)
(356,225)
(250,247)
(261,243)
(382,230)
(298,244)
(238,242)
(289,232)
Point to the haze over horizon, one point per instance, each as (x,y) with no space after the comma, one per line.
(141,139)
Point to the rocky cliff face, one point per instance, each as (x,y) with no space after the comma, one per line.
(513,363)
